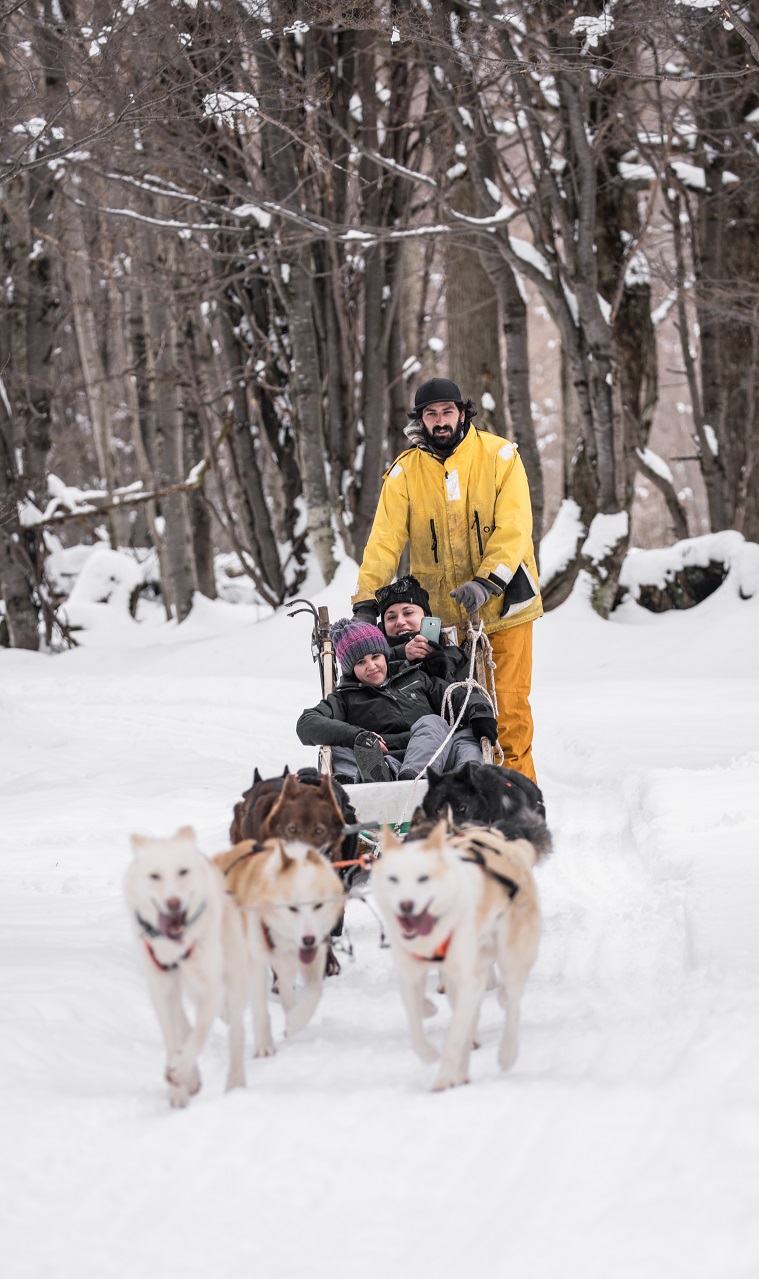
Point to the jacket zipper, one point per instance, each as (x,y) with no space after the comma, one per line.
(434,540)
(479,534)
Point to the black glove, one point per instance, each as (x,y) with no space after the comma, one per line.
(485,726)
(471,595)
(366,611)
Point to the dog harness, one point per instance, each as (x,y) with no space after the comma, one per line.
(438,956)
(512,888)
(166,968)
(151,931)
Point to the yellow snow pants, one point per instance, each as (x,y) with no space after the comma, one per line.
(512,654)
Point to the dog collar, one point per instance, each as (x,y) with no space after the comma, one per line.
(438,956)
(166,968)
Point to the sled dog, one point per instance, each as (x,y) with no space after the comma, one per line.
(296,807)
(192,943)
(484,794)
(460,899)
(291,899)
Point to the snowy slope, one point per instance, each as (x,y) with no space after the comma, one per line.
(624,1143)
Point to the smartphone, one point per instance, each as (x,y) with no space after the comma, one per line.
(429,628)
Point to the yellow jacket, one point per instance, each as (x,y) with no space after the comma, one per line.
(466,516)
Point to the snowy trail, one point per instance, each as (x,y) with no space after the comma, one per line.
(625,1142)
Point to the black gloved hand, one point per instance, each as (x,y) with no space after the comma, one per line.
(485,726)
(471,595)
(366,611)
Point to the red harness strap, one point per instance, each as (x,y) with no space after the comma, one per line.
(439,955)
(166,968)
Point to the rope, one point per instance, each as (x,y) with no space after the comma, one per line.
(470,683)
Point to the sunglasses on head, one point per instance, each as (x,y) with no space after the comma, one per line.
(401,587)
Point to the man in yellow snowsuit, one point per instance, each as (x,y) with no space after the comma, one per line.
(460,498)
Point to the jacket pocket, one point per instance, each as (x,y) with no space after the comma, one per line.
(434,540)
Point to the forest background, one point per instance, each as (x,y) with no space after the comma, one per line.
(234,236)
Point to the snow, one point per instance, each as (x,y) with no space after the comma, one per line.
(655,463)
(625,1140)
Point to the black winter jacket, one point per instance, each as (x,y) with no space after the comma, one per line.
(448,662)
(407,695)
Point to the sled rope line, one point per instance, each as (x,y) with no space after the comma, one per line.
(338,897)
(470,683)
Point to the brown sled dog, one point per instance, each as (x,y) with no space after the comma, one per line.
(292,809)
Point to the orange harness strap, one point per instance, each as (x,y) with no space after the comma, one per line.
(439,955)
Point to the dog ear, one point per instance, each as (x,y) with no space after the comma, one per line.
(290,789)
(436,837)
(256,776)
(286,770)
(282,856)
(389,839)
(186,834)
(432,778)
(317,856)
(138,842)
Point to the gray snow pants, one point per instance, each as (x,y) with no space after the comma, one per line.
(426,735)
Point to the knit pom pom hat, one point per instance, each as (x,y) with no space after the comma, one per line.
(354,639)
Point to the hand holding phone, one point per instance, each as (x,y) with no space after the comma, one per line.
(429,629)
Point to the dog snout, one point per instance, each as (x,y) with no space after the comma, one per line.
(406,908)
(308,941)
(174,903)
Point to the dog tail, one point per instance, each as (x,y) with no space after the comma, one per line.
(528,825)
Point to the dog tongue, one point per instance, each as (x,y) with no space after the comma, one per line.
(307,954)
(417,925)
(172,926)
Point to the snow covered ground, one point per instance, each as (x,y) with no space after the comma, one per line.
(625,1141)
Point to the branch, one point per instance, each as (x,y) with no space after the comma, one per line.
(727,11)
(121,499)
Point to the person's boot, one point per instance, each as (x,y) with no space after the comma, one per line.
(370,760)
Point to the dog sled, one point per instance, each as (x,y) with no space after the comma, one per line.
(392,803)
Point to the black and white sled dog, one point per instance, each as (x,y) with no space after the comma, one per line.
(485,795)
(192,942)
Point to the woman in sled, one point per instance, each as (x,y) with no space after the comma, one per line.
(384,720)
(401,606)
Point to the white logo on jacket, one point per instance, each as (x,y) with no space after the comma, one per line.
(452,488)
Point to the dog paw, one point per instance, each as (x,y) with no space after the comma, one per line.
(235,1081)
(426,1051)
(265,1049)
(449,1079)
(428,1008)
(507,1055)
(178,1096)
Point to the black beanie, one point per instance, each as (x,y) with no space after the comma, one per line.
(405,591)
(435,390)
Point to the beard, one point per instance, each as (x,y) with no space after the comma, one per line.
(444,441)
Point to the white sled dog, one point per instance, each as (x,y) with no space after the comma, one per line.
(291,900)
(460,900)
(192,942)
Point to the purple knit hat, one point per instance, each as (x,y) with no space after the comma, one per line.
(354,639)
